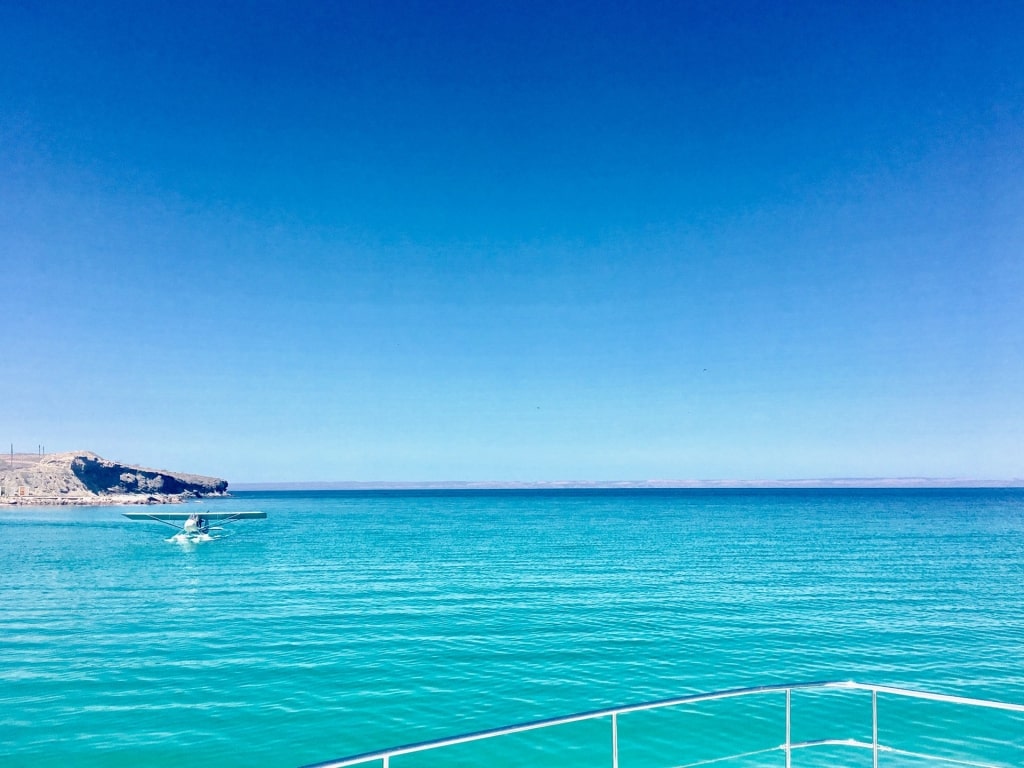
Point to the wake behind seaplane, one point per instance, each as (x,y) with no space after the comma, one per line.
(195,526)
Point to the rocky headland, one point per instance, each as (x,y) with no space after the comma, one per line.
(82,477)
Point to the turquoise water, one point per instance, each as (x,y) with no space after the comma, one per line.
(347,622)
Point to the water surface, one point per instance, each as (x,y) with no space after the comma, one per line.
(350,621)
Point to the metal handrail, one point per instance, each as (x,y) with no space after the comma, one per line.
(385,755)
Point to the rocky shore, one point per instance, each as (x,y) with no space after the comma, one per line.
(82,477)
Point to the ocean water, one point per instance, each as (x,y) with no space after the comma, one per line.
(352,621)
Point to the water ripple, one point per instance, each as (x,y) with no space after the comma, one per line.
(349,622)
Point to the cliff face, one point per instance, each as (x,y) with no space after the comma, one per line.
(102,476)
(83,477)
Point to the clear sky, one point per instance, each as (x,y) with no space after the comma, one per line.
(280,241)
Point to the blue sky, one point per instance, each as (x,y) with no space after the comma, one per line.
(278,241)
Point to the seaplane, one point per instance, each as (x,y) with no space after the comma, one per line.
(195,527)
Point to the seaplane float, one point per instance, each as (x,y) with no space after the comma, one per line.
(195,527)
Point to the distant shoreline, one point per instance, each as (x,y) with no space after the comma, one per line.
(897,483)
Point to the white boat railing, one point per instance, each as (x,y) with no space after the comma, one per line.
(788,746)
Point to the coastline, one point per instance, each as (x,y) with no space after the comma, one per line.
(105,500)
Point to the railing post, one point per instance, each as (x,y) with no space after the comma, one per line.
(387,760)
(615,740)
(789,751)
(874,726)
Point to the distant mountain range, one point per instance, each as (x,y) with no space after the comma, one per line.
(830,482)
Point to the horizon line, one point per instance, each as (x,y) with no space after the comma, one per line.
(809,483)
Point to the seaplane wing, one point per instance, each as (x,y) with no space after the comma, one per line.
(222,516)
(194,527)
